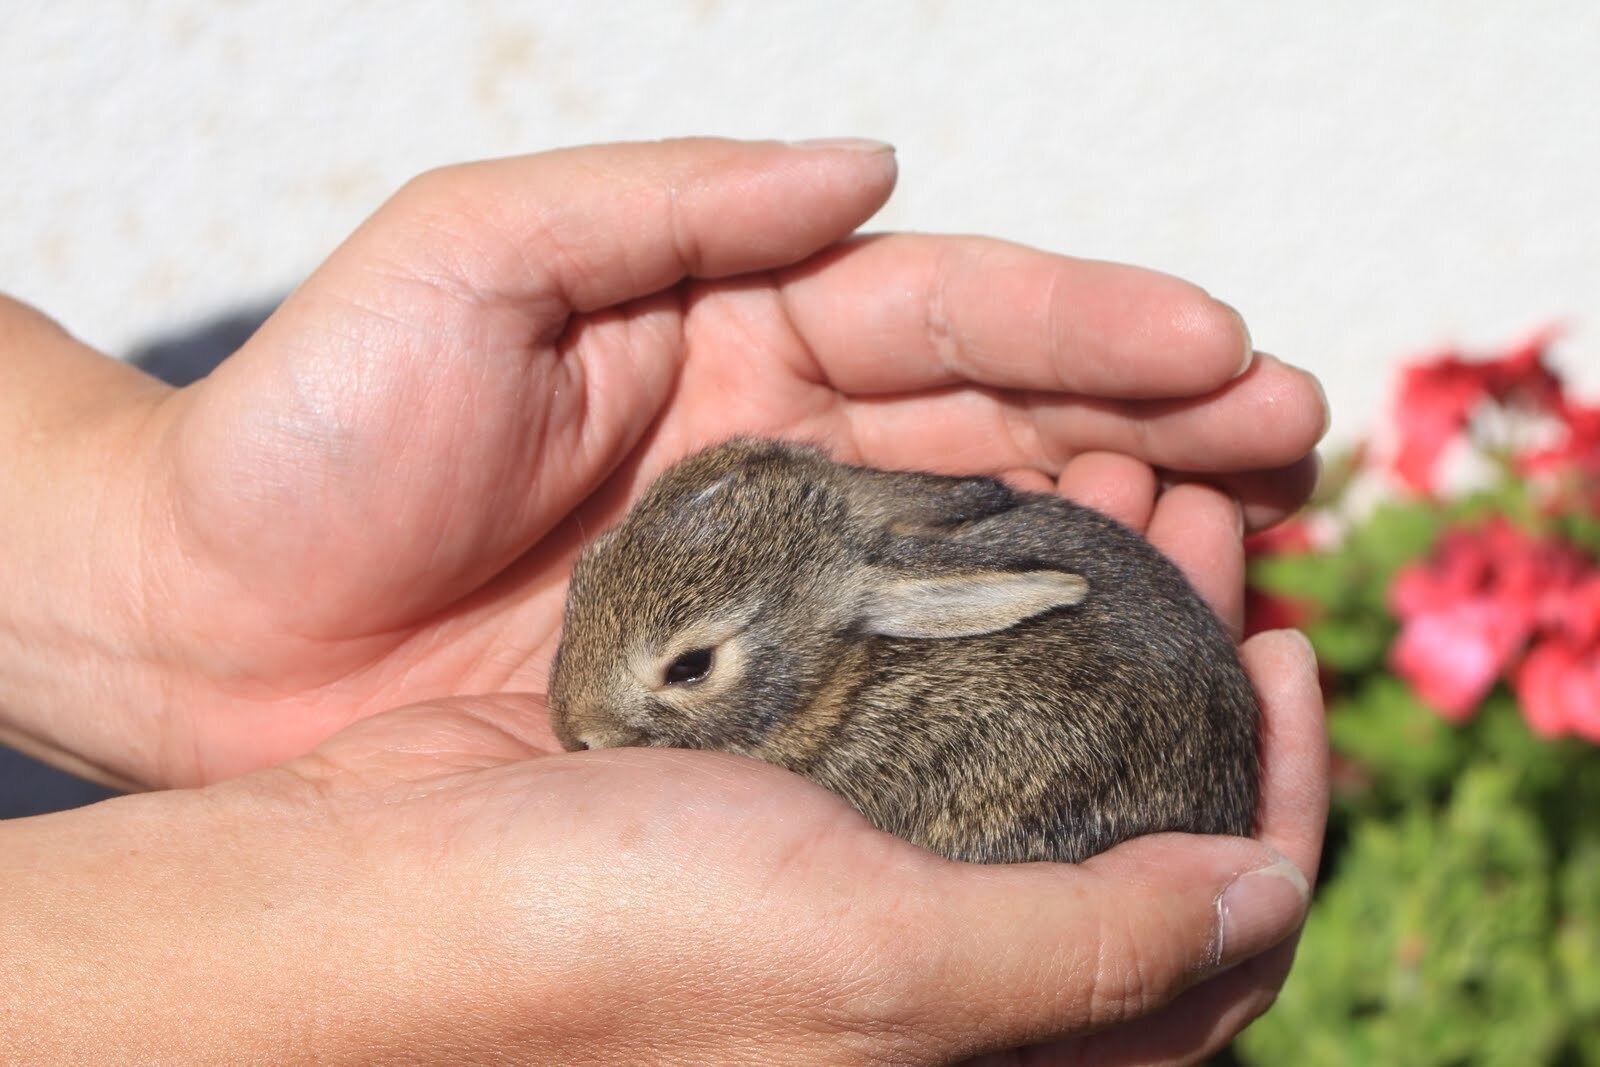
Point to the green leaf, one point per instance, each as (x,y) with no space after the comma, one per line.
(1322,578)
(1406,747)
(1431,945)
(1583,531)
(1577,935)
(1350,647)
(1395,534)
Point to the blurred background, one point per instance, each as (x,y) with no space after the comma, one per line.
(1364,181)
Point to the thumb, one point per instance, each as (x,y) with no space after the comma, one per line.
(417,381)
(585,228)
(433,739)
(1044,951)
(1109,940)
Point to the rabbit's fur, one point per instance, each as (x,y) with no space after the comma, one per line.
(995,675)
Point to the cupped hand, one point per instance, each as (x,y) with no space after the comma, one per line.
(434,884)
(439,883)
(377,500)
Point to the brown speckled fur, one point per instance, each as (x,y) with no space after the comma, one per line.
(1053,738)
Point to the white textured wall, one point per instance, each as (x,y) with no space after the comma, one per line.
(1360,179)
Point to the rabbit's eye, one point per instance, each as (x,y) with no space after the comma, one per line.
(692,666)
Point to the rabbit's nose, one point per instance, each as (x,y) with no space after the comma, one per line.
(604,735)
(596,738)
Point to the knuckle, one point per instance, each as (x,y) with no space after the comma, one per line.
(1125,979)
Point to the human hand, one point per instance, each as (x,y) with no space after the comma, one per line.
(435,884)
(378,499)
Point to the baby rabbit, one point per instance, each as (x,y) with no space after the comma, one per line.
(997,676)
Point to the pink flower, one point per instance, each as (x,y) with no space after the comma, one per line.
(1452,657)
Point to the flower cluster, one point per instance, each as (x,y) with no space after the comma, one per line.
(1448,575)
(1495,601)
(1444,401)
(1502,583)
(1439,398)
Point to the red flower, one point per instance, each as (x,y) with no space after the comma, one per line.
(1573,612)
(1558,686)
(1264,611)
(1438,399)
(1522,378)
(1497,561)
(1291,537)
(1470,608)
(1578,452)
(1268,611)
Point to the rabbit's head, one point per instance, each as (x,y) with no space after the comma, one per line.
(735,592)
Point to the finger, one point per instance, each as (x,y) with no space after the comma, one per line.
(1201,529)
(1294,745)
(1268,418)
(438,737)
(888,314)
(67,760)
(1106,941)
(1112,484)
(1028,480)
(1271,415)
(1270,496)
(429,344)
(585,228)
(1293,814)
(1199,1022)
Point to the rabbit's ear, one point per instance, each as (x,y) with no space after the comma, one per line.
(965,605)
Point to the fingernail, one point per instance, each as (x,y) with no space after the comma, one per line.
(848,144)
(1244,329)
(1258,910)
(1308,651)
(1306,647)
(1327,410)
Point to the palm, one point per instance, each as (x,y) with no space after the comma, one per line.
(460,591)
(380,497)
(712,865)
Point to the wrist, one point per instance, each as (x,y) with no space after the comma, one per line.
(248,922)
(108,920)
(212,925)
(77,427)
(226,924)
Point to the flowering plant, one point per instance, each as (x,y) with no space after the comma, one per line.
(1449,578)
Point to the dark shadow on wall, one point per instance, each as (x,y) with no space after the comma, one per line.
(28,787)
(189,355)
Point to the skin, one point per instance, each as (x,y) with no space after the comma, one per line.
(432,884)
(375,503)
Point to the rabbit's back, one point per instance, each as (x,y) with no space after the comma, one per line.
(1125,714)
(994,675)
